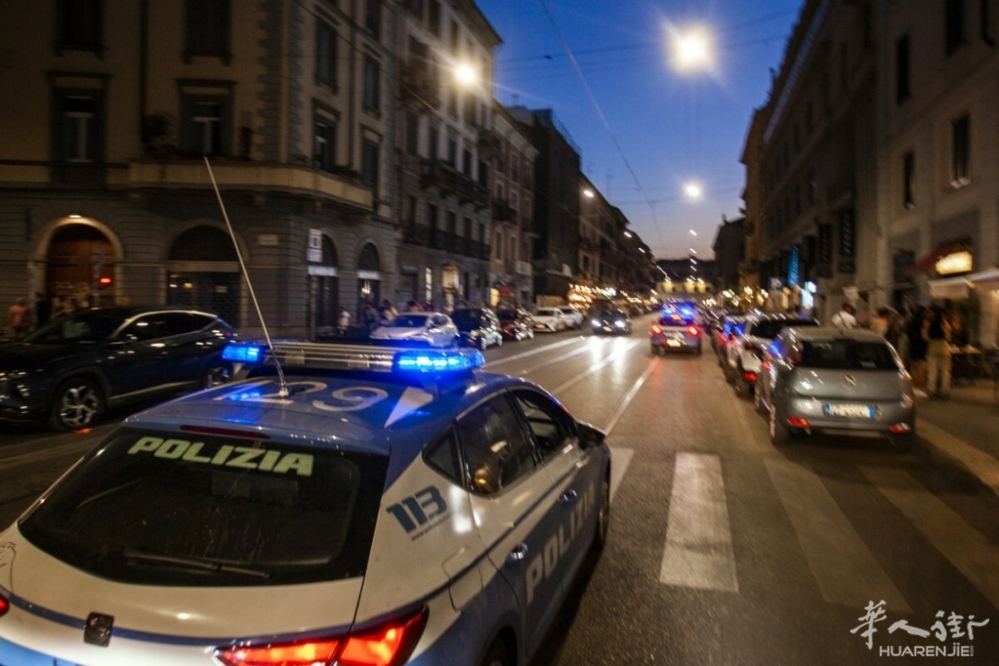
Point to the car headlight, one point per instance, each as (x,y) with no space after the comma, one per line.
(620,324)
(595,322)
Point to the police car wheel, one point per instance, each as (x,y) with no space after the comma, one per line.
(216,373)
(77,404)
(498,654)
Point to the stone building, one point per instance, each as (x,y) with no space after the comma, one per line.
(108,109)
(446,144)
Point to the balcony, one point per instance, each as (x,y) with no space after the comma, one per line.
(440,174)
(489,145)
(417,84)
(503,212)
(423,236)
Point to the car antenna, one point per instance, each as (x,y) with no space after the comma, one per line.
(283,391)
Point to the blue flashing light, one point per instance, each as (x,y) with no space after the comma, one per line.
(242,353)
(438,361)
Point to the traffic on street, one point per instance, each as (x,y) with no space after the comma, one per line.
(722,547)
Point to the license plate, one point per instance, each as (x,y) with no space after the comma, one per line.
(673,343)
(851,411)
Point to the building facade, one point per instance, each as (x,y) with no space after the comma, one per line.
(446,147)
(110,108)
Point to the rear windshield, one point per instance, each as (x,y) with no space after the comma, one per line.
(464,319)
(847,355)
(187,510)
(769,328)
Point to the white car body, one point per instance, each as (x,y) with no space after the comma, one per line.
(573,317)
(434,328)
(549,319)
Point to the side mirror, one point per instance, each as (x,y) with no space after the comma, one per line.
(590,436)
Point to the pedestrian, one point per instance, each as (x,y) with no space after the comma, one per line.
(20,318)
(43,311)
(370,315)
(917,349)
(937,333)
(882,322)
(844,318)
(343,322)
(387,314)
(413,306)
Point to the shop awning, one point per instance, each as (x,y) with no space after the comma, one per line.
(931,259)
(960,287)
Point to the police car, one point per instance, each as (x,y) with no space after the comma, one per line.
(376,506)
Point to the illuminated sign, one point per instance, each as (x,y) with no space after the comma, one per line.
(957,262)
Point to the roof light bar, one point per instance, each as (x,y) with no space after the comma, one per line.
(242,353)
(357,357)
(437,361)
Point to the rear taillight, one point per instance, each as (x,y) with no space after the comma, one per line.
(656,329)
(749,376)
(797,422)
(387,645)
(693,330)
(4,606)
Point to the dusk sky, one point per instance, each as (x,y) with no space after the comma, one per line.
(672,128)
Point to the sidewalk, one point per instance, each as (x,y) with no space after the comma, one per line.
(966,428)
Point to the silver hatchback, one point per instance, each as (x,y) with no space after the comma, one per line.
(827,380)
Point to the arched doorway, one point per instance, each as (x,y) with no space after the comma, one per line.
(368,279)
(324,285)
(203,272)
(80,266)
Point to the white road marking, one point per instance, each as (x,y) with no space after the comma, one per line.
(559,359)
(612,421)
(976,461)
(698,549)
(620,459)
(517,357)
(607,361)
(844,568)
(966,548)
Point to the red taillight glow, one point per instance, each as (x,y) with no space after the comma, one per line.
(899,428)
(797,422)
(389,645)
(656,329)
(749,376)
(300,654)
(4,606)
(693,330)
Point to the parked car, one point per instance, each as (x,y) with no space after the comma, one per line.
(731,326)
(72,369)
(549,319)
(678,328)
(430,328)
(611,322)
(478,327)
(818,380)
(516,323)
(573,317)
(744,352)
(397,506)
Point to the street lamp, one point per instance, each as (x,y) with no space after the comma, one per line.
(693,191)
(588,193)
(693,233)
(465,74)
(691,49)
(627,234)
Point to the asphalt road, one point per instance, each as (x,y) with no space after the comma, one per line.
(724,549)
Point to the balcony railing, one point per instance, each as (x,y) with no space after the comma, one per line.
(440,174)
(424,236)
(503,212)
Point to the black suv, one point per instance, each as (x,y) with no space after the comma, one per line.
(478,327)
(70,370)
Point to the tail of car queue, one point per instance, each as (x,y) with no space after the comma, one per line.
(367,505)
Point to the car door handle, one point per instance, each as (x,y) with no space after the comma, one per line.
(568,497)
(518,554)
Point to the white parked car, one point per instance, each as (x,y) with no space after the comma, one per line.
(434,328)
(549,319)
(573,317)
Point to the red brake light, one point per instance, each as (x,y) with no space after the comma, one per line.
(797,422)
(4,606)
(310,653)
(656,329)
(749,376)
(693,330)
(387,645)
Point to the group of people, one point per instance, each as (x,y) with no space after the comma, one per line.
(23,318)
(922,337)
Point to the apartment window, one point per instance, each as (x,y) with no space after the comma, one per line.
(206,126)
(515,168)
(909,180)
(435,18)
(468,228)
(432,219)
(434,139)
(499,191)
(454,38)
(326,53)
(499,245)
(372,84)
(412,132)
(207,27)
(953,25)
(452,222)
(483,174)
(78,25)
(527,209)
(325,143)
(369,166)
(466,163)
(79,131)
(513,202)
(373,17)
(452,152)
(902,69)
(961,146)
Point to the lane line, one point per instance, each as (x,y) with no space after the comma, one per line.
(966,548)
(976,461)
(842,565)
(620,459)
(557,359)
(607,361)
(612,421)
(698,550)
(517,357)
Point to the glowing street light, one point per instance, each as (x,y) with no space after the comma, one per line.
(693,251)
(693,191)
(691,50)
(588,193)
(465,74)
(627,234)
(693,233)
